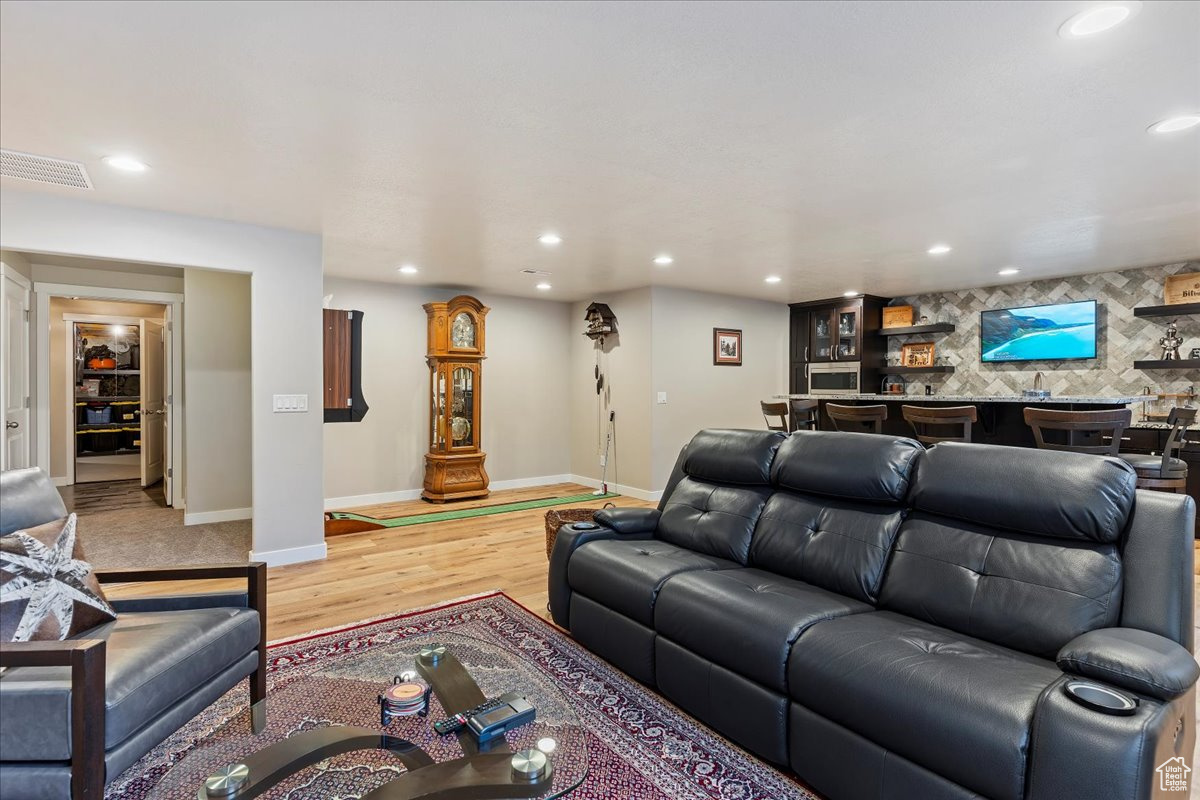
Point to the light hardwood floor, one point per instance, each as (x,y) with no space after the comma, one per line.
(387,571)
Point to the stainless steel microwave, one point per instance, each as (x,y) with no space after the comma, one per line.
(839,377)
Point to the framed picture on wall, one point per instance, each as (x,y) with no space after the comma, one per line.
(727,347)
(917,354)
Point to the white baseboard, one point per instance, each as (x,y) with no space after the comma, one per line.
(525,483)
(61,481)
(289,555)
(220,515)
(356,500)
(630,491)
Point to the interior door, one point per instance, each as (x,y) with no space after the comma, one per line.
(14,374)
(154,406)
(169,421)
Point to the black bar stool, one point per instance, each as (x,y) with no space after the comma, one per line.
(857,419)
(1111,423)
(804,414)
(777,412)
(1168,472)
(926,421)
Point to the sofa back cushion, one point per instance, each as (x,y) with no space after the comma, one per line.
(713,509)
(1051,493)
(1033,594)
(1012,545)
(837,507)
(837,545)
(853,466)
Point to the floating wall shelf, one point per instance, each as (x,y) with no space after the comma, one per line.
(937,327)
(1177,310)
(1178,363)
(915,370)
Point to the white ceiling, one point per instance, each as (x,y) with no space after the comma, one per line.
(831,143)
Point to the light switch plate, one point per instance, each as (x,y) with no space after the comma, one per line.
(662,398)
(290,403)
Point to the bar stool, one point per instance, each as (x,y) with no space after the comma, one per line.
(778,411)
(1168,472)
(924,420)
(804,414)
(1103,423)
(857,419)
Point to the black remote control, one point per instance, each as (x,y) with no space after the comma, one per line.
(459,721)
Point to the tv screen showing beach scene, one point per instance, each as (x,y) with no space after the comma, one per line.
(1056,332)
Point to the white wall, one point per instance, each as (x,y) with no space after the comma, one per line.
(626,364)
(664,344)
(525,421)
(17,262)
(285,268)
(217,382)
(119,276)
(699,394)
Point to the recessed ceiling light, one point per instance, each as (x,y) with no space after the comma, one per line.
(543,286)
(850,293)
(1173,124)
(772,279)
(550,239)
(1098,19)
(408,269)
(664,260)
(1008,271)
(125,163)
(939,250)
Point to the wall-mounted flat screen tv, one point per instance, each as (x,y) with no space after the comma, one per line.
(1058,332)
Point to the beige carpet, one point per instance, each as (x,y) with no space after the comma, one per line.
(147,537)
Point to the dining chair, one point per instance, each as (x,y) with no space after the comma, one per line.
(931,424)
(857,419)
(1167,472)
(1097,425)
(776,415)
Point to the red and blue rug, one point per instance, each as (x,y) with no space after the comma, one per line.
(640,747)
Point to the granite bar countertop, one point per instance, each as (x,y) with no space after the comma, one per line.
(972,398)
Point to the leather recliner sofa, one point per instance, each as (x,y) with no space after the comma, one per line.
(891,622)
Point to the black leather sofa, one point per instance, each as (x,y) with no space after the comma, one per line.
(898,623)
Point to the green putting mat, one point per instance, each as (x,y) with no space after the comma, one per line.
(466,513)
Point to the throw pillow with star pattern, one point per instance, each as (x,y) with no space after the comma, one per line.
(47,591)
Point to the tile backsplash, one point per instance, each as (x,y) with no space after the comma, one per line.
(1121,337)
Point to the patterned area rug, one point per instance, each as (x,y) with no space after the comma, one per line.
(639,747)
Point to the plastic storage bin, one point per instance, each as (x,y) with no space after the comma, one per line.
(99,415)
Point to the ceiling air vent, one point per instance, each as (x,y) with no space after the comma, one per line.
(55,171)
(541,272)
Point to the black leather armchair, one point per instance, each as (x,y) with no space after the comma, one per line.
(74,714)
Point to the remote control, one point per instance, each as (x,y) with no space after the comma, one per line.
(459,721)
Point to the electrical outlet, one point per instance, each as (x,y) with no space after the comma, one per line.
(662,398)
(604,461)
(290,404)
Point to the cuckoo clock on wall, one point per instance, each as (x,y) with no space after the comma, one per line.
(454,463)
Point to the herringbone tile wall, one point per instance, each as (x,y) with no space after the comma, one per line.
(1122,337)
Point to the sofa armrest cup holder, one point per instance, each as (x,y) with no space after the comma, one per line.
(1097,697)
(584,526)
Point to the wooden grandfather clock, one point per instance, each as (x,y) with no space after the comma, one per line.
(454,464)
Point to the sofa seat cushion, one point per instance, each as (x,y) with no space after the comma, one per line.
(153,660)
(958,706)
(626,575)
(745,619)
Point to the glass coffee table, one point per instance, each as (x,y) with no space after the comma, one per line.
(323,736)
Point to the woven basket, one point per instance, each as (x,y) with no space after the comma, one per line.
(561,516)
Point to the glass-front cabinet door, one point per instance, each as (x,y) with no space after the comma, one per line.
(821,336)
(462,408)
(848,332)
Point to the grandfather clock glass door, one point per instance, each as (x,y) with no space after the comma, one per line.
(454,464)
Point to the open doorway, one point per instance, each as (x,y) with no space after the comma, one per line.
(109,395)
